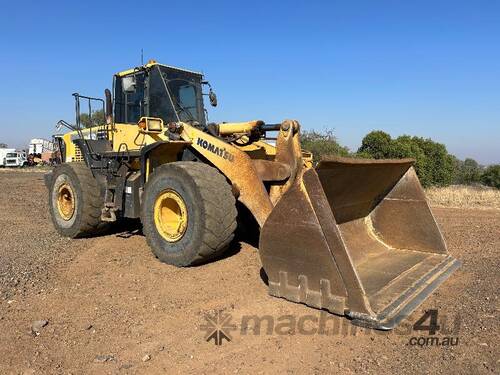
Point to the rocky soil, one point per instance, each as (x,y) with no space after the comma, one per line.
(105,305)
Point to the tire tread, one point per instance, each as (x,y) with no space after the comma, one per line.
(219,207)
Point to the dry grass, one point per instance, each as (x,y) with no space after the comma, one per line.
(464,196)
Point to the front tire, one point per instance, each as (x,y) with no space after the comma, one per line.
(188,213)
(75,201)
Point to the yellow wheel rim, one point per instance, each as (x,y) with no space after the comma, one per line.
(66,201)
(170,214)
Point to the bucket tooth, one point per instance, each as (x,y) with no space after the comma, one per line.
(355,237)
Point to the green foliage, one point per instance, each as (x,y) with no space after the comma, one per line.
(322,144)
(361,155)
(377,144)
(433,164)
(404,147)
(491,176)
(468,172)
(439,163)
(97,119)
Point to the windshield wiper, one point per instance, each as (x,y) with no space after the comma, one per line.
(172,98)
(186,111)
(168,93)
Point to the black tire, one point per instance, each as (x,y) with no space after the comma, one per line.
(211,212)
(88,201)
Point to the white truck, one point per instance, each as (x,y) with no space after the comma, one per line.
(16,159)
(3,155)
(40,145)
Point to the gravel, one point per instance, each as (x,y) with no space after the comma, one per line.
(111,295)
(30,246)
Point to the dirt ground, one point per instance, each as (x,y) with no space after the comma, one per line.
(110,307)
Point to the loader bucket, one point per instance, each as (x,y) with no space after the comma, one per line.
(355,237)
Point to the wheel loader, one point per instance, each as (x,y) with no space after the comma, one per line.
(354,237)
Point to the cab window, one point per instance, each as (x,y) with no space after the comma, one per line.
(129,98)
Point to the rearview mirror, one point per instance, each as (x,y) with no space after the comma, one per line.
(213,98)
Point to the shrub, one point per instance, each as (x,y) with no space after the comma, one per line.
(404,147)
(377,144)
(322,144)
(433,164)
(468,172)
(439,163)
(491,176)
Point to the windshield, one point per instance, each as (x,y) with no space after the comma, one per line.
(168,93)
(181,89)
(11,155)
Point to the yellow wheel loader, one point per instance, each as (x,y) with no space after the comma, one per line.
(354,237)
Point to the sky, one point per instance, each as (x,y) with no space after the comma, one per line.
(426,68)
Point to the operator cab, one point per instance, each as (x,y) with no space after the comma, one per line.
(156,90)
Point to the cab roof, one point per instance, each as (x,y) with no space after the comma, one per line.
(152,63)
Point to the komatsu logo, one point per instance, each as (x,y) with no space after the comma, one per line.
(214,149)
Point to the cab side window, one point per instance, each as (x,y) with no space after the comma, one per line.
(129,98)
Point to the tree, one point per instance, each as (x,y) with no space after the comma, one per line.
(491,176)
(98,118)
(469,172)
(433,164)
(377,144)
(322,144)
(456,164)
(439,161)
(361,155)
(404,147)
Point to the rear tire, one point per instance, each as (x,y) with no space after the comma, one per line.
(206,201)
(75,201)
